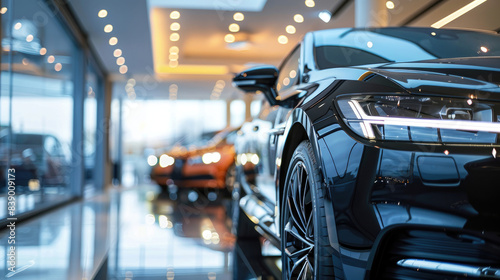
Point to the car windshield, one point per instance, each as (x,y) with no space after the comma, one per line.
(351,47)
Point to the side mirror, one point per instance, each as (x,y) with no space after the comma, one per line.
(261,78)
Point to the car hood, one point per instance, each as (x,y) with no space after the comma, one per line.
(479,76)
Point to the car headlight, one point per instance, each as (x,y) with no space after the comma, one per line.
(421,119)
(209,158)
(166,160)
(152,160)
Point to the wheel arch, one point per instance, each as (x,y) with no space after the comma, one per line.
(299,128)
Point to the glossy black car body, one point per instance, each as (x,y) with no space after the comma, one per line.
(397,133)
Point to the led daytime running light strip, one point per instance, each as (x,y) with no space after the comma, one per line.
(368,121)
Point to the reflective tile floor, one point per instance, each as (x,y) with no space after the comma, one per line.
(125,234)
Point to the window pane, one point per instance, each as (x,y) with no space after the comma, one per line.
(36,104)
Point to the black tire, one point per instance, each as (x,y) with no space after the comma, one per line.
(306,252)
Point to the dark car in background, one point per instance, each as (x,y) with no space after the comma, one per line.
(39,160)
(206,163)
(377,155)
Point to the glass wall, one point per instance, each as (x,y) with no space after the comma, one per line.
(38,84)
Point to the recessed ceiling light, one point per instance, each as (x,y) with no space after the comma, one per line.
(298,18)
(113,41)
(229,38)
(117,53)
(173,63)
(120,60)
(43,51)
(29,38)
(18,25)
(484,49)
(458,13)
(51,59)
(310,3)
(174,49)
(123,69)
(174,37)
(108,28)
(238,17)
(290,29)
(282,39)
(58,67)
(102,13)
(175,26)
(389,5)
(175,15)
(3,10)
(234,27)
(173,56)
(325,16)
(369,44)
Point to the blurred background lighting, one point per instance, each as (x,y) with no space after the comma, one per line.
(102,13)
(175,15)
(234,27)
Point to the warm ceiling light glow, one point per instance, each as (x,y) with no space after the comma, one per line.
(389,5)
(310,3)
(460,12)
(192,69)
(369,44)
(234,27)
(229,38)
(174,37)
(113,41)
(173,56)
(175,15)
(175,26)
(173,63)
(325,16)
(484,49)
(123,69)
(108,28)
(51,59)
(174,49)
(3,10)
(29,38)
(282,39)
(238,17)
(298,18)
(18,26)
(58,67)
(433,33)
(290,29)
(120,60)
(117,53)
(43,51)
(102,13)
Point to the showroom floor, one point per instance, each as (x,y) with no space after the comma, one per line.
(128,234)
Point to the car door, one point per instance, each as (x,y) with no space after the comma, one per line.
(267,135)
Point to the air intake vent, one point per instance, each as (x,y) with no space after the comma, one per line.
(447,254)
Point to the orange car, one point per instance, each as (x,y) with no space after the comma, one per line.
(208,165)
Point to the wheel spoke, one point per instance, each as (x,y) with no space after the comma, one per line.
(298,265)
(298,233)
(297,236)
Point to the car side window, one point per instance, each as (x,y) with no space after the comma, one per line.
(289,71)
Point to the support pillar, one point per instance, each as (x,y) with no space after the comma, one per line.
(370,13)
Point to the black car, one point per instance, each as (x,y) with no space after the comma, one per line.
(377,155)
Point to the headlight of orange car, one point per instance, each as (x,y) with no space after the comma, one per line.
(209,158)
(166,160)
